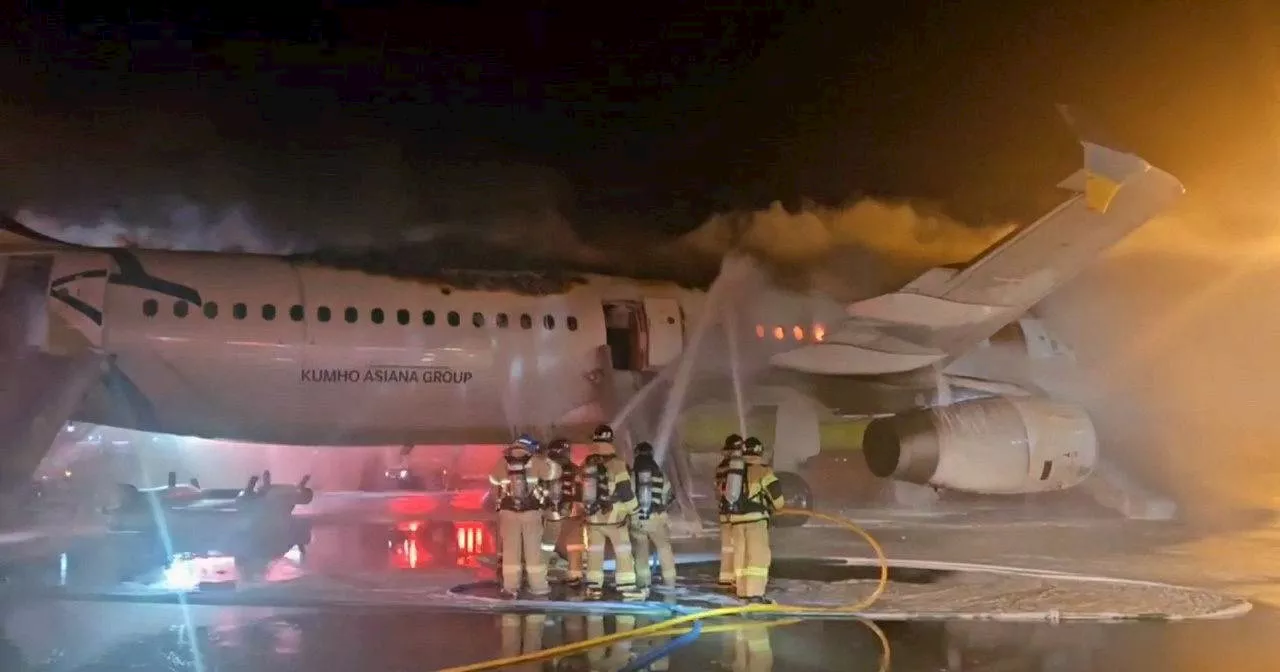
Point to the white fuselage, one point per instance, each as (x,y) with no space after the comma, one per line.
(289,352)
(270,349)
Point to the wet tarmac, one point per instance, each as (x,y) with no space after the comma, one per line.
(68,609)
(68,635)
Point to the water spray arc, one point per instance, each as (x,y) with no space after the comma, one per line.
(736,272)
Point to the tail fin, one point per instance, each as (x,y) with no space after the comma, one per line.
(948,310)
(1117,193)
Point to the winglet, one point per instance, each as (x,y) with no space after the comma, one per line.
(1105,170)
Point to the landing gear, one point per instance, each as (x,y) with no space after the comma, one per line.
(799,497)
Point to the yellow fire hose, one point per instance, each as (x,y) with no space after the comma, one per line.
(669,627)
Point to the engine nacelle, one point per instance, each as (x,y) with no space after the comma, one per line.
(994,446)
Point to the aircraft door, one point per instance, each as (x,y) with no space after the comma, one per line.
(77,297)
(24,308)
(664,324)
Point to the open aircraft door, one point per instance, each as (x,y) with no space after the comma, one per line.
(76,294)
(664,326)
(24,308)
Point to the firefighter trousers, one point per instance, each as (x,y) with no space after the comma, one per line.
(752,651)
(521,533)
(624,576)
(648,536)
(568,535)
(751,557)
(728,573)
(522,634)
(610,657)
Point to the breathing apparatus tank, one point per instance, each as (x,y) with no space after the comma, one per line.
(560,488)
(518,455)
(734,482)
(595,484)
(648,480)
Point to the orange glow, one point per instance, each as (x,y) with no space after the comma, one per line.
(798,332)
(819,332)
(759,331)
(778,333)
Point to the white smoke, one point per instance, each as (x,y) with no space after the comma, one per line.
(188,226)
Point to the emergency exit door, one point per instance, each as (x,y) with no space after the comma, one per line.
(24,306)
(664,326)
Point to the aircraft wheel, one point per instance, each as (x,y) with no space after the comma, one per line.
(799,496)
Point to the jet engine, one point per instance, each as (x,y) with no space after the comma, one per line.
(993,446)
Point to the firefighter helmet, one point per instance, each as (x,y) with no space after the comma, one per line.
(644,448)
(558,449)
(752,446)
(602,434)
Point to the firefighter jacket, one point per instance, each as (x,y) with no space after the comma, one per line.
(761,493)
(616,494)
(518,478)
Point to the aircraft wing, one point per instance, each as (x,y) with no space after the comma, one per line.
(949,310)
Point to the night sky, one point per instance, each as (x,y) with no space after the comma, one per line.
(623,119)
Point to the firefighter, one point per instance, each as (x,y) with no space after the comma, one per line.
(608,500)
(650,522)
(516,477)
(732,450)
(563,513)
(749,516)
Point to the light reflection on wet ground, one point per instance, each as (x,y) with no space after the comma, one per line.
(55,634)
(100,636)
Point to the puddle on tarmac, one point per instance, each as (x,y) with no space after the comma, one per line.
(48,634)
(101,636)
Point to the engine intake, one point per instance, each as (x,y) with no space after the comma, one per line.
(996,446)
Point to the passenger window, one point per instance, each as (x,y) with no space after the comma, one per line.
(477,320)
(377,316)
(350,315)
(150,307)
(572,323)
(549,322)
(323,313)
(526,322)
(297,313)
(268,312)
(211,309)
(181,308)
(402,316)
(454,319)
(502,320)
(239,311)
(429,317)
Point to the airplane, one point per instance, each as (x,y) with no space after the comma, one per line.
(333,350)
